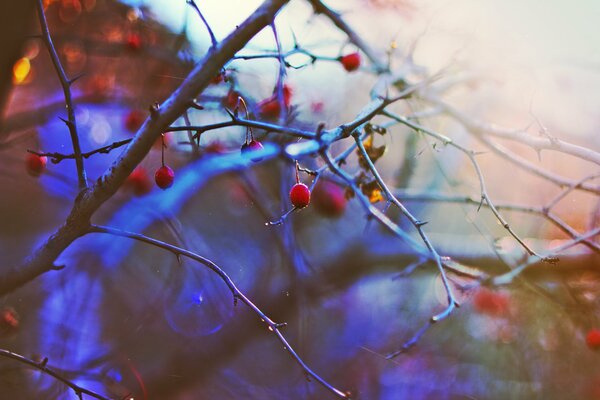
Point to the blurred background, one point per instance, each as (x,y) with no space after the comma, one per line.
(129,320)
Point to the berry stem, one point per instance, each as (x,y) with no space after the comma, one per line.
(248,128)
(162,149)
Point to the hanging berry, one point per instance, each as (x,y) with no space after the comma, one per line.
(35,164)
(350,62)
(300,193)
(329,199)
(164,177)
(250,144)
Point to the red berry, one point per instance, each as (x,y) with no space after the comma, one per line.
(300,195)
(133,120)
(164,177)
(329,199)
(139,181)
(133,42)
(9,321)
(593,339)
(35,164)
(271,107)
(351,61)
(491,303)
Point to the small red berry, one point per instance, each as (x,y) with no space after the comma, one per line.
(35,164)
(9,321)
(329,199)
(139,181)
(271,107)
(491,303)
(300,195)
(351,61)
(133,42)
(593,339)
(164,177)
(133,120)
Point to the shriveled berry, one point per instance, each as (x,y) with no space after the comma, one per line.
(593,339)
(139,181)
(35,164)
(300,195)
(134,120)
(164,177)
(329,199)
(351,61)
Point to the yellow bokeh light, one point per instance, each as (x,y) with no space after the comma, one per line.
(21,70)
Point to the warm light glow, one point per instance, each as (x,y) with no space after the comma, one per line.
(21,70)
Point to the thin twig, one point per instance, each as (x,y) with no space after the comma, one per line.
(71,122)
(416,223)
(471,156)
(43,367)
(58,157)
(213,39)
(237,295)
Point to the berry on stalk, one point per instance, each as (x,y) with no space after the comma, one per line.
(300,195)
(164,177)
(35,164)
(351,61)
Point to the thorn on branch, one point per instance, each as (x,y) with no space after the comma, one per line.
(154,110)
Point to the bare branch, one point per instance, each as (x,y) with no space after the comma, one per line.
(237,295)
(43,367)
(71,122)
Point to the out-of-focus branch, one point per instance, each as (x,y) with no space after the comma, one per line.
(66,83)
(471,156)
(42,366)
(415,222)
(544,211)
(272,326)
(537,143)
